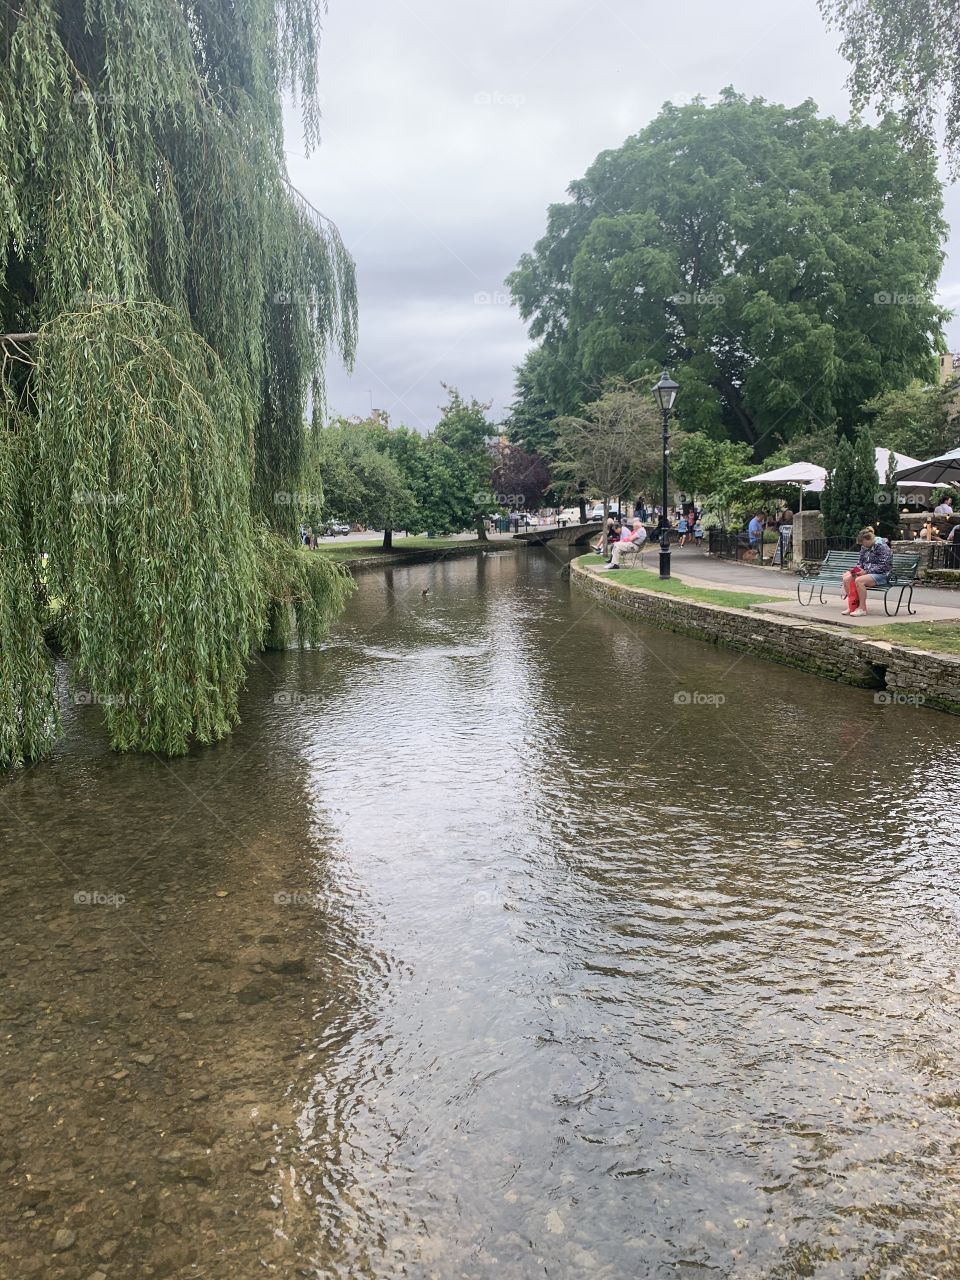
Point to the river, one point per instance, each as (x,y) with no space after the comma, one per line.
(505,938)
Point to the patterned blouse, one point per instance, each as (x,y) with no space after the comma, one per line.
(876,559)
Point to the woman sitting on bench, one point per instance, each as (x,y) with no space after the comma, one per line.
(876,563)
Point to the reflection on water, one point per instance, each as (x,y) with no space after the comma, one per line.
(477,953)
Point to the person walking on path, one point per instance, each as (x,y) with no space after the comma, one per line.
(876,563)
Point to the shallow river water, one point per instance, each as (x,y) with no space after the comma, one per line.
(505,938)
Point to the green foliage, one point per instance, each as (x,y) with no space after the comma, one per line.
(782,264)
(29,717)
(920,421)
(905,54)
(446,488)
(812,446)
(186,297)
(534,412)
(864,485)
(392,478)
(304,591)
(464,428)
(836,497)
(364,480)
(715,470)
(142,465)
(615,449)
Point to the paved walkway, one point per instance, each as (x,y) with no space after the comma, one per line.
(932,604)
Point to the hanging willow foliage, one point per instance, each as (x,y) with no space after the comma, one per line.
(29,718)
(186,297)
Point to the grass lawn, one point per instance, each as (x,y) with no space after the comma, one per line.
(943,637)
(675,587)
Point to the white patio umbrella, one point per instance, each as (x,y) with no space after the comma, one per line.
(900,461)
(806,475)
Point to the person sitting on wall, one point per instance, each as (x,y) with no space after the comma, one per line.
(614,529)
(634,537)
(876,564)
(929,533)
(944,507)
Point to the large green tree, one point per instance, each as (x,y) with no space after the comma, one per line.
(782,265)
(464,428)
(178,299)
(368,475)
(614,448)
(905,54)
(712,469)
(921,421)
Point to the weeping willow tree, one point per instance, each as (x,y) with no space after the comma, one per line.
(172,300)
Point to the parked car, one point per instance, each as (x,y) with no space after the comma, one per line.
(596,512)
(335,529)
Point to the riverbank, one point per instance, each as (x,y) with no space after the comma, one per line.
(904,672)
(358,557)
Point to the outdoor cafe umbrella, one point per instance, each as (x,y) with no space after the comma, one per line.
(944,470)
(805,475)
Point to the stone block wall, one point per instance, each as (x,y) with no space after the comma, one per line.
(931,679)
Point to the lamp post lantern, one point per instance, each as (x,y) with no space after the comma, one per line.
(666,393)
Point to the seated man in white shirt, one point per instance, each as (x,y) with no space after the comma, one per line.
(631,539)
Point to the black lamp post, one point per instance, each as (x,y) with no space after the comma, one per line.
(666,393)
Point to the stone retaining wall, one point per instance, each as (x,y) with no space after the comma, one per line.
(932,679)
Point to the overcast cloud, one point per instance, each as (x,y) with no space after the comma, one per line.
(450,125)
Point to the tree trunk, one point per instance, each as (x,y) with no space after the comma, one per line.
(583,509)
(481,530)
(606,512)
(388,539)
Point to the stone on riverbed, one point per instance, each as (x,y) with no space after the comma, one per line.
(257,990)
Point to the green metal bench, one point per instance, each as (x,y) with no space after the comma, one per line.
(903,575)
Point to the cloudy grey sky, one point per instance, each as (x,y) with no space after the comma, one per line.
(450,125)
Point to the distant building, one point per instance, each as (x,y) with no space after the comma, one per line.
(949,367)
